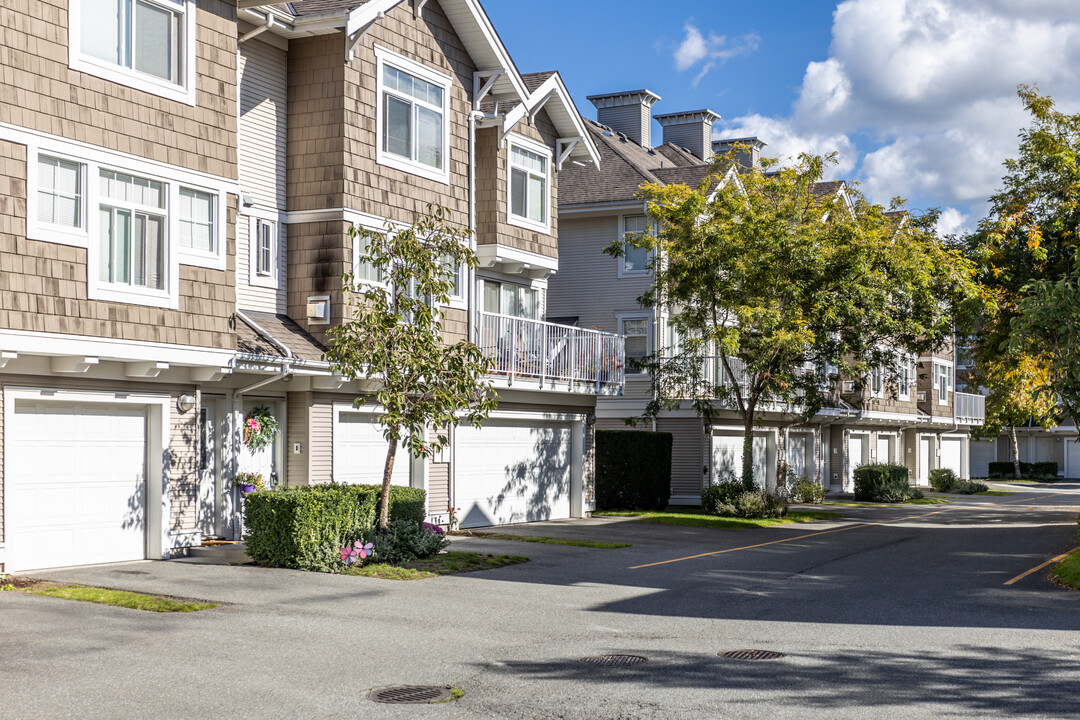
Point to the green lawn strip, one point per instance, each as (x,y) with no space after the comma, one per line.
(693,517)
(118,598)
(1067,572)
(539,539)
(450,563)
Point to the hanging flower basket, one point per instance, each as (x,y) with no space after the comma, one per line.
(248,482)
(260,426)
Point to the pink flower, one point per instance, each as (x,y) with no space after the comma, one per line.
(363,550)
(253,424)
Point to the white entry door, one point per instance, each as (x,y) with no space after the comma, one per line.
(858,450)
(885,452)
(264,461)
(76,484)
(210,425)
(360,451)
(926,450)
(512,472)
(797,444)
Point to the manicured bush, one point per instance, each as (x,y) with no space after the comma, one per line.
(805,490)
(633,470)
(305,527)
(759,504)
(1004,469)
(943,479)
(884,483)
(968,487)
(715,499)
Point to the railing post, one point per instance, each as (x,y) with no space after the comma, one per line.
(513,348)
(543,353)
(573,358)
(599,358)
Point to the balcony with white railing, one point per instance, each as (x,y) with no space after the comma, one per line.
(969,409)
(553,356)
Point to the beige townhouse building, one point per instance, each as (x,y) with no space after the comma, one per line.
(179,180)
(922,422)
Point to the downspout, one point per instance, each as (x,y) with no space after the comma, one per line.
(268,23)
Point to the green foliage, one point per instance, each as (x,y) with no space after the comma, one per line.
(943,479)
(717,498)
(394,337)
(776,272)
(805,490)
(633,470)
(1031,471)
(405,542)
(969,487)
(758,504)
(305,527)
(884,483)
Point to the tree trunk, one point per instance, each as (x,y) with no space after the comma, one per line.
(388,471)
(781,460)
(1015,452)
(748,451)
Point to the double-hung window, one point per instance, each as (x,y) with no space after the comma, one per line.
(635,260)
(60,192)
(905,370)
(265,247)
(412,117)
(132,231)
(143,43)
(636,332)
(943,382)
(528,187)
(366,271)
(197,215)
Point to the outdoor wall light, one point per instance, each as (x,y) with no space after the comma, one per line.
(184,403)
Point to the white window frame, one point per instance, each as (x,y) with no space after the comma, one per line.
(199,258)
(938,366)
(906,370)
(183,92)
(621,318)
(877,377)
(385,57)
(534,287)
(49,232)
(458,300)
(623,272)
(545,152)
(255,278)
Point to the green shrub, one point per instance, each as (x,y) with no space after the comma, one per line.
(633,470)
(805,490)
(1003,469)
(967,487)
(715,499)
(406,541)
(757,504)
(884,483)
(943,479)
(305,527)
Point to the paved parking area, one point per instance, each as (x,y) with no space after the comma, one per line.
(886,612)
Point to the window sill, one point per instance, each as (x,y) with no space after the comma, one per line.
(407,166)
(266,281)
(122,294)
(525,223)
(135,80)
(58,234)
(634,273)
(196,258)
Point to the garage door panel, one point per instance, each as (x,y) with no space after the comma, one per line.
(512,473)
(360,452)
(76,484)
(950,454)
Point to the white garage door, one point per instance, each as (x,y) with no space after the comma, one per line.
(1072,458)
(76,484)
(950,454)
(983,452)
(727,457)
(360,451)
(512,472)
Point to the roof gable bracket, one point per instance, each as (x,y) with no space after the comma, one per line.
(351,41)
(563,148)
(481,91)
(526,108)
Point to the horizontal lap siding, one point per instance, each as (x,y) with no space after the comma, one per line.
(43,286)
(39,91)
(183,469)
(321,434)
(588,285)
(438,494)
(297,430)
(687,454)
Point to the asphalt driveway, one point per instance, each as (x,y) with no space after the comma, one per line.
(883,612)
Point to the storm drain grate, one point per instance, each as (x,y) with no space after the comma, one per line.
(752,655)
(613,660)
(410,694)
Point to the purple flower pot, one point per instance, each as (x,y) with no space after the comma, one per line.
(245,488)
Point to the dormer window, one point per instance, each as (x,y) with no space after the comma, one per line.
(529,195)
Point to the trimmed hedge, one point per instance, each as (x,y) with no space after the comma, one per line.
(304,527)
(633,470)
(884,483)
(1004,469)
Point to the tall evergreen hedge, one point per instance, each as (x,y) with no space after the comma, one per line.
(633,470)
(304,527)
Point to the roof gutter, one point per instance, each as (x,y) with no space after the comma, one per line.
(286,365)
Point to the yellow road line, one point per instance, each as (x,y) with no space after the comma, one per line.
(787,540)
(1037,568)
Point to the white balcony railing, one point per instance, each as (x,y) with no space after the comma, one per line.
(550,353)
(969,409)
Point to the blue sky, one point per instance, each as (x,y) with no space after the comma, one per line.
(917,96)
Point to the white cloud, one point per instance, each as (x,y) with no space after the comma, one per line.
(786,141)
(930,85)
(953,222)
(710,50)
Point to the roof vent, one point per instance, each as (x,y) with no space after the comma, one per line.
(690,130)
(627,112)
(749,156)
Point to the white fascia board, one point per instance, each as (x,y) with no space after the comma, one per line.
(576,126)
(57,344)
(488,255)
(568,122)
(460,12)
(368,13)
(618,207)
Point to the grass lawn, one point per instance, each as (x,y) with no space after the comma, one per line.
(450,563)
(695,518)
(118,598)
(540,539)
(1067,572)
